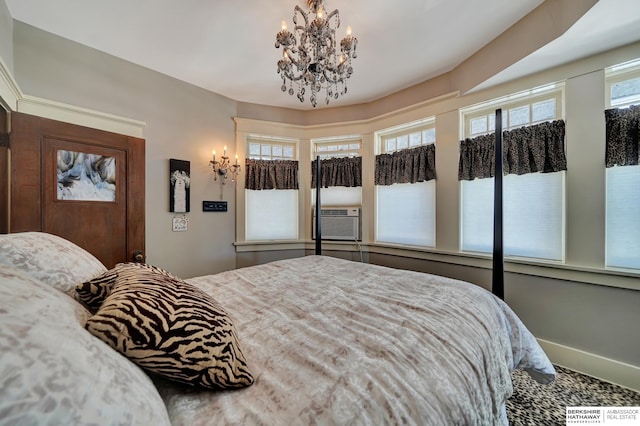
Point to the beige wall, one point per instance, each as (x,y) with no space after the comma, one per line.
(6,36)
(182,122)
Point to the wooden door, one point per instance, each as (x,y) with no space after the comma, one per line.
(4,170)
(83,184)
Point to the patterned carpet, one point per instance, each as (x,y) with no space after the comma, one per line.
(536,404)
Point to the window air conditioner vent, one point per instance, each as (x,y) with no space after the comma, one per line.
(339,223)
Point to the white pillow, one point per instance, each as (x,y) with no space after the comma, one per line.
(53,372)
(49,258)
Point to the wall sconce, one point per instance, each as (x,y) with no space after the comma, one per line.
(224,167)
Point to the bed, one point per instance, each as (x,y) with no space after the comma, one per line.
(327,341)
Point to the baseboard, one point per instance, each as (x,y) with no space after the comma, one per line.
(610,370)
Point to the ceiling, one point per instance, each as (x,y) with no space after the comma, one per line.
(227,46)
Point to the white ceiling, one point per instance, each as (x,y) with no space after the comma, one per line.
(227,46)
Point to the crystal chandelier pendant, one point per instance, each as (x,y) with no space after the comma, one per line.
(310,55)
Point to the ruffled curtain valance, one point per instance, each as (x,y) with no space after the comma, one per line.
(623,136)
(271,174)
(406,166)
(345,171)
(531,149)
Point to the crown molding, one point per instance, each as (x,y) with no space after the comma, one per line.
(81,116)
(10,92)
(14,100)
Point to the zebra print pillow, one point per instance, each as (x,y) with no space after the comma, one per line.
(93,292)
(171,328)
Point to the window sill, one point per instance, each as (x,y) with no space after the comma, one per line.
(539,268)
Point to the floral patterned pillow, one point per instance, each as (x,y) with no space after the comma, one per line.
(53,372)
(49,258)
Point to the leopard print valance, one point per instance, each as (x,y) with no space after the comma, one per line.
(531,149)
(623,136)
(346,171)
(271,174)
(406,166)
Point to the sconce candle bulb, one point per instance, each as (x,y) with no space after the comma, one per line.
(224,167)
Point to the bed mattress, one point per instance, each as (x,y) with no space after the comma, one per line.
(331,341)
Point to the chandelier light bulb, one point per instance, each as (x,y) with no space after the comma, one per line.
(348,30)
(283,25)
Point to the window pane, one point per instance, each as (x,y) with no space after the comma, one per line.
(477,215)
(287,152)
(519,116)
(492,122)
(339,196)
(390,145)
(254,149)
(625,92)
(406,214)
(272,214)
(429,136)
(479,125)
(541,111)
(354,147)
(277,151)
(533,215)
(265,150)
(415,139)
(623,217)
(403,142)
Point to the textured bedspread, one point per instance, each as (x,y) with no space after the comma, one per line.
(337,342)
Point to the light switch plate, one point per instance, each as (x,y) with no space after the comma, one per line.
(214,206)
(180,224)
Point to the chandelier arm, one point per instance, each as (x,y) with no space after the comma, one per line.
(292,77)
(337,80)
(297,9)
(335,14)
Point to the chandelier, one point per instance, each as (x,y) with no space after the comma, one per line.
(309,55)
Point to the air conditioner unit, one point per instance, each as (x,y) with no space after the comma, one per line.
(338,223)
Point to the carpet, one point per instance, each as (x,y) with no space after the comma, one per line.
(536,404)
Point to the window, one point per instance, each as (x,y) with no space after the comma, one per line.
(271,150)
(622,227)
(525,109)
(340,147)
(405,212)
(533,203)
(271,214)
(623,85)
